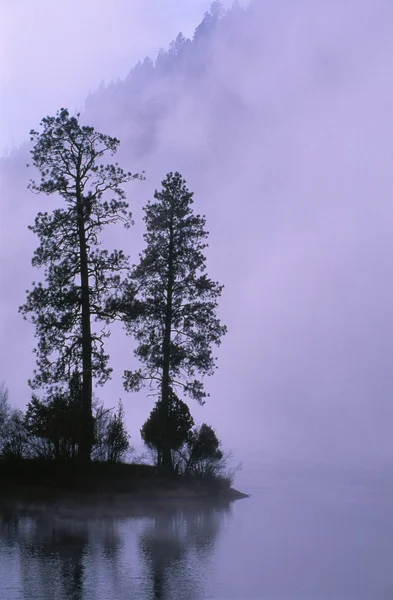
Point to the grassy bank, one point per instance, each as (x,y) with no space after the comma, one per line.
(34,479)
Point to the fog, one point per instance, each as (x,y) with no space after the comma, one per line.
(54,56)
(286,136)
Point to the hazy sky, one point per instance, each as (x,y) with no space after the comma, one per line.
(287,140)
(54,53)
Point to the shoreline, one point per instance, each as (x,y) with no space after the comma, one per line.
(33,493)
(34,482)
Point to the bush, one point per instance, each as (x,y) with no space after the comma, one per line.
(54,429)
(167,429)
(201,456)
(53,426)
(112,441)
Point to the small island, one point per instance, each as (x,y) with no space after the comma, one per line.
(66,443)
(35,481)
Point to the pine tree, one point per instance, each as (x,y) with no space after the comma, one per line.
(176,323)
(79,275)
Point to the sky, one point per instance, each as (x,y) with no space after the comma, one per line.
(287,142)
(52,56)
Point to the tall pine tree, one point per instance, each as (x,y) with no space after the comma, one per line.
(176,323)
(79,275)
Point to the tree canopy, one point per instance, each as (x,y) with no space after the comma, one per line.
(177,323)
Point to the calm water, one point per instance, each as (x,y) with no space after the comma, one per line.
(302,535)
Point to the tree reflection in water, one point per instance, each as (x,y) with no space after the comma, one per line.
(175,549)
(51,552)
(156,553)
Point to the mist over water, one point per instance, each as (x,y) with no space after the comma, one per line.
(302,535)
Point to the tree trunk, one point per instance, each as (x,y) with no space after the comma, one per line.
(86,436)
(165,388)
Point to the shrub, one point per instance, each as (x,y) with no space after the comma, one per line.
(201,456)
(167,429)
(112,441)
(53,426)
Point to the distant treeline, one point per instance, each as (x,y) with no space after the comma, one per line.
(154,86)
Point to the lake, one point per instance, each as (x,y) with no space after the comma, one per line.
(304,534)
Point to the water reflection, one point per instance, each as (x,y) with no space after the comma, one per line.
(174,542)
(50,551)
(60,553)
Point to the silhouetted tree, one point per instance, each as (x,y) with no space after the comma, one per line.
(167,427)
(79,275)
(177,324)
